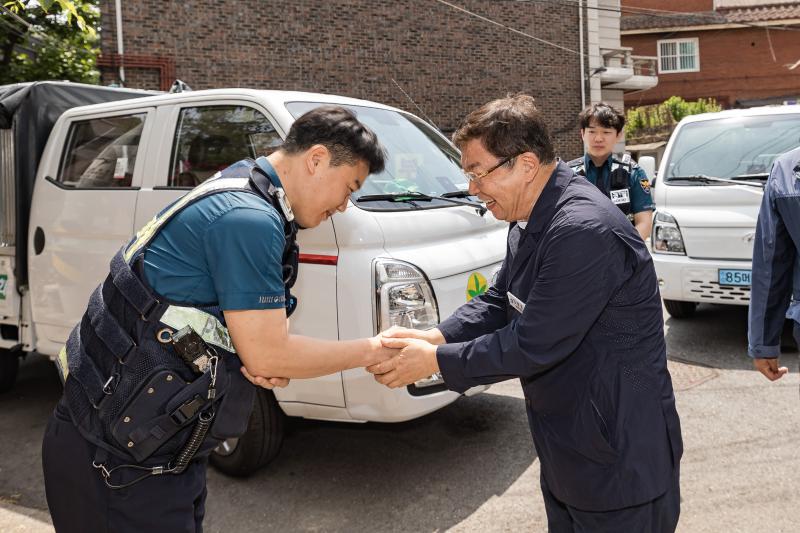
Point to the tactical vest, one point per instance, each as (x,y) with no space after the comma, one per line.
(127,390)
(618,187)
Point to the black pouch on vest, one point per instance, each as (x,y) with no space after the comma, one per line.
(233,413)
(159,410)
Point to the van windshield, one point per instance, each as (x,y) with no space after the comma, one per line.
(419,161)
(732,148)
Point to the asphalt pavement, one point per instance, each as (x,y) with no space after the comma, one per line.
(471,466)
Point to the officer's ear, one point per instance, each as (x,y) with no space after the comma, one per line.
(317,157)
(530,165)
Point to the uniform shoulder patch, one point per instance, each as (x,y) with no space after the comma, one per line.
(645,183)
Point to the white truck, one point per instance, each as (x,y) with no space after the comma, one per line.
(410,248)
(707,194)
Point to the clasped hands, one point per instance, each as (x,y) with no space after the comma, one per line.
(397,357)
(414,357)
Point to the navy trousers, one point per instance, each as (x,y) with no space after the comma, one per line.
(656,516)
(80,502)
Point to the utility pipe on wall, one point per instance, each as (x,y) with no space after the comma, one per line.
(120,51)
(580,48)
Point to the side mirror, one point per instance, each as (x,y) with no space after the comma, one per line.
(648,164)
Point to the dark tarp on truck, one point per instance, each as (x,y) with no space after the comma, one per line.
(28,112)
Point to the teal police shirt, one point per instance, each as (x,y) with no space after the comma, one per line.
(223,249)
(638,184)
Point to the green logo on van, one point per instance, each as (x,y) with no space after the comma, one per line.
(3,285)
(476,285)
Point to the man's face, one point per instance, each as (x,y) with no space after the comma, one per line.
(327,189)
(599,140)
(501,188)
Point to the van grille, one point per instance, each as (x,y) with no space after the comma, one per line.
(713,291)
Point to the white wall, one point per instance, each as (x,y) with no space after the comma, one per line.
(603,28)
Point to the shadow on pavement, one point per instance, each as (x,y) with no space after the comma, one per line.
(716,336)
(25,410)
(426,474)
(423,475)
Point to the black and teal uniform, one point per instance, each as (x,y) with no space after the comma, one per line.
(623,181)
(114,446)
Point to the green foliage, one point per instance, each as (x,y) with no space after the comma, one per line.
(49,39)
(661,118)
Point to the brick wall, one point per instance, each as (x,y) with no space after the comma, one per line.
(735,64)
(446,61)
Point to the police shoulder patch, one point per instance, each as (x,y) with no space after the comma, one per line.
(645,183)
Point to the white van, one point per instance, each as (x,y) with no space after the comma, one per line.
(410,248)
(707,194)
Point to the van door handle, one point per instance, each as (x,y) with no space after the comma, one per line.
(38,240)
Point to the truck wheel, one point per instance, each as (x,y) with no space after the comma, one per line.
(678,309)
(9,364)
(260,443)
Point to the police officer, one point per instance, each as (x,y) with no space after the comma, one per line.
(620,179)
(575,314)
(152,372)
(775,292)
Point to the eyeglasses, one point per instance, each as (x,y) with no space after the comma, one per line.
(476,178)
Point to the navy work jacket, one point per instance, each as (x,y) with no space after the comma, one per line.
(575,313)
(775,291)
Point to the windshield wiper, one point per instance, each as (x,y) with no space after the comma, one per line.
(457,194)
(756,176)
(737,180)
(413,196)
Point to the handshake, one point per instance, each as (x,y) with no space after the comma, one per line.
(397,357)
(406,356)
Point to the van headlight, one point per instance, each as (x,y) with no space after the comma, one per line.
(666,237)
(403,296)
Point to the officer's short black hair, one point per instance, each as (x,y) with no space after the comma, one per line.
(338,129)
(507,127)
(604,115)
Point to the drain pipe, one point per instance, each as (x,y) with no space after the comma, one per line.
(120,50)
(583,68)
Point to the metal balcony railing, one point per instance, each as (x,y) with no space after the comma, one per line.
(623,70)
(644,65)
(623,58)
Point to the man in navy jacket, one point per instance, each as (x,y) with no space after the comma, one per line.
(775,295)
(575,314)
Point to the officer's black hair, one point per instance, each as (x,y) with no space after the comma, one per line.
(606,116)
(507,127)
(338,129)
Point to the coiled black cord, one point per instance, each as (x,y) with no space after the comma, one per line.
(193,444)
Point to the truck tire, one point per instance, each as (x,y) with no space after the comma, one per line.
(9,364)
(678,309)
(260,443)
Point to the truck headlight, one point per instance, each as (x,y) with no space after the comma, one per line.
(403,296)
(666,236)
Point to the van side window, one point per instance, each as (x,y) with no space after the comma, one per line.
(208,139)
(101,152)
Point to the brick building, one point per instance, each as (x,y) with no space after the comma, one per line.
(741,52)
(420,55)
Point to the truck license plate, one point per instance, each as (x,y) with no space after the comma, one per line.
(734,277)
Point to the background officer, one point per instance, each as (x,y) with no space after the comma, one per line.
(621,180)
(152,372)
(574,313)
(775,292)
